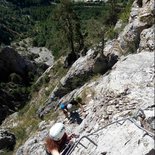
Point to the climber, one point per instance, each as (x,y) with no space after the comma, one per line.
(71,107)
(58,140)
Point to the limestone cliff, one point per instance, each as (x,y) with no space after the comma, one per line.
(116,84)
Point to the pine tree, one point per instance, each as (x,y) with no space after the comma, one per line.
(70,24)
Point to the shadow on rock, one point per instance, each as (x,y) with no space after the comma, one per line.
(152,152)
(75,118)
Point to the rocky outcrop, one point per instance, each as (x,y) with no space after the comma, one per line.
(141,17)
(116,95)
(140,23)
(41,55)
(38,55)
(136,37)
(147,40)
(12,62)
(83,69)
(7,140)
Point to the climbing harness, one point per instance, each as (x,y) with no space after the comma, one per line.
(121,122)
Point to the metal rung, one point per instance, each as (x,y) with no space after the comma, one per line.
(82,145)
(79,142)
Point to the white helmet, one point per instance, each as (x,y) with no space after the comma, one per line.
(57,131)
(69,106)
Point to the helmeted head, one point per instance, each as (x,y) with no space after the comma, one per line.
(62,106)
(57,131)
(69,106)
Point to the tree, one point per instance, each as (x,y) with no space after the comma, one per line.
(111,17)
(70,24)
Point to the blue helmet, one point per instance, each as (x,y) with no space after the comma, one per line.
(62,106)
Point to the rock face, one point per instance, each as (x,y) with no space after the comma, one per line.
(147,40)
(138,30)
(117,95)
(7,140)
(42,55)
(38,55)
(83,69)
(141,17)
(117,140)
(12,62)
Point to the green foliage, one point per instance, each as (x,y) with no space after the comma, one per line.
(124,16)
(68,22)
(28,125)
(6,152)
(21,90)
(111,33)
(78,99)
(13,24)
(94,30)
(20,133)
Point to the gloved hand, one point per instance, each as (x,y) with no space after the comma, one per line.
(73,136)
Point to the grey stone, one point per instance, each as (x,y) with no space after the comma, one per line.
(147,40)
(83,69)
(7,140)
